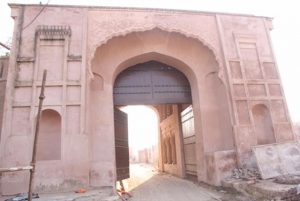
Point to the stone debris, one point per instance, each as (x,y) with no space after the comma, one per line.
(288,179)
(22,197)
(292,195)
(245,174)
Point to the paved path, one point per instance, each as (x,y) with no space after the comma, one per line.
(168,188)
(148,185)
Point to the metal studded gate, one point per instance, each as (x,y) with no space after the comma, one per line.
(151,83)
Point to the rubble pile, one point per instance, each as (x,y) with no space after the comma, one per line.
(245,174)
(288,179)
(292,195)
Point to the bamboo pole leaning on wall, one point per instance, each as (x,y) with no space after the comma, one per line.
(36,135)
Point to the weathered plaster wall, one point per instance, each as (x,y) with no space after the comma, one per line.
(220,165)
(3,75)
(253,80)
(297,129)
(227,58)
(57,46)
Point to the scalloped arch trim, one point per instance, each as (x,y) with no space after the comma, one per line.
(149,28)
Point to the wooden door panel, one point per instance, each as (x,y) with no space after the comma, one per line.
(151,83)
(189,141)
(121,143)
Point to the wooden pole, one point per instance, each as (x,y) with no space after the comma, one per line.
(5,46)
(14,169)
(36,134)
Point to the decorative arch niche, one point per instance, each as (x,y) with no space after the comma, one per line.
(263,124)
(49,140)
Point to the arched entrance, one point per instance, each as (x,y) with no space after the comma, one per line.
(168,90)
(213,128)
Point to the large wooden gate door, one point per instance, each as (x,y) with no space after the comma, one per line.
(151,83)
(121,143)
(189,141)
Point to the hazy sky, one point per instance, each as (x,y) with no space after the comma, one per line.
(139,131)
(285,36)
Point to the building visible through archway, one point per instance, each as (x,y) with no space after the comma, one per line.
(167,90)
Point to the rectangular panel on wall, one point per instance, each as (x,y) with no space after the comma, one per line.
(73,120)
(21,122)
(23,95)
(275,90)
(278,111)
(246,136)
(284,132)
(51,58)
(73,94)
(239,90)
(53,95)
(249,56)
(74,70)
(257,90)
(236,71)
(270,70)
(243,112)
(25,71)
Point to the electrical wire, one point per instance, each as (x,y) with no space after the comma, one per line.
(36,15)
